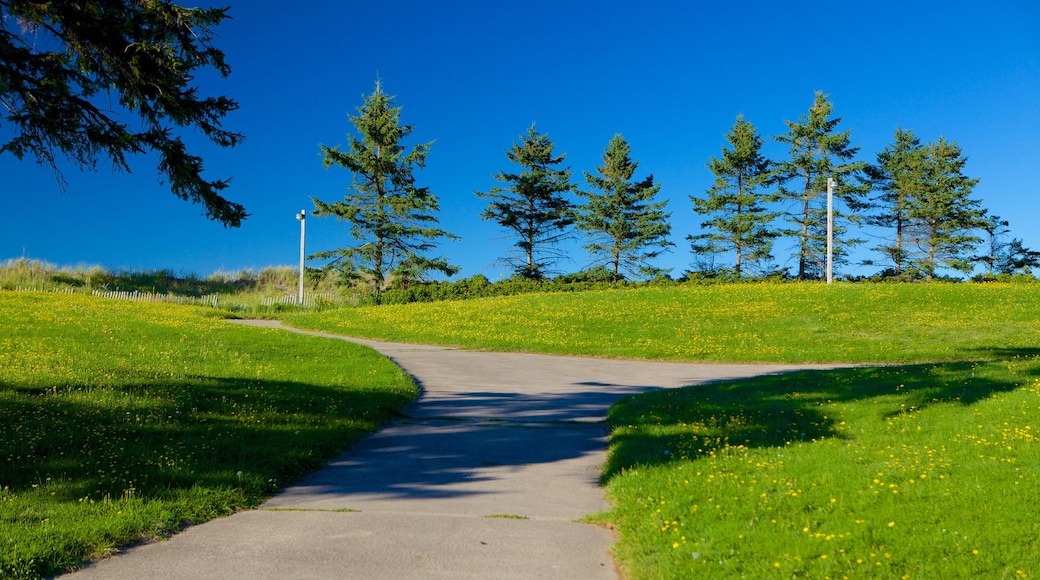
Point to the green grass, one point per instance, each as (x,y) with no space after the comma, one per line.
(801,323)
(925,470)
(919,471)
(124,421)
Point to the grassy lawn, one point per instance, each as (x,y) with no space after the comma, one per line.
(124,421)
(795,323)
(930,469)
(918,471)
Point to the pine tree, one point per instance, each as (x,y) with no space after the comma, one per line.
(996,230)
(64,67)
(740,221)
(899,177)
(627,228)
(943,217)
(1015,258)
(532,205)
(817,153)
(390,217)
(1002,256)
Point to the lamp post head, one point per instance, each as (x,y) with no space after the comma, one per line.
(302,215)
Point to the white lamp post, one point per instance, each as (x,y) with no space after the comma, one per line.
(302,216)
(831,184)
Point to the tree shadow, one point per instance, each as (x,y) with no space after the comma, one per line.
(161,438)
(445,458)
(1004,353)
(777,410)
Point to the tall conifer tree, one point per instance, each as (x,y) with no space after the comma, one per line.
(532,205)
(818,152)
(899,178)
(628,228)
(390,217)
(1002,256)
(740,222)
(944,218)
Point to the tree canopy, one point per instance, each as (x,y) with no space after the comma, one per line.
(818,152)
(944,218)
(532,205)
(628,228)
(390,217)
(739,218)
(899,177)
(61,64)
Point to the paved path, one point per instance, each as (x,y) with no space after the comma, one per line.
(485,477)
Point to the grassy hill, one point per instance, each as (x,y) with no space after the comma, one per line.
(125,420)
(796,323)
(923,467)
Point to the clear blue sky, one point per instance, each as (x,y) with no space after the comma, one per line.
(670,76)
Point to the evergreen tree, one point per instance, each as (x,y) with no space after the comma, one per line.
(1015,258)
(943,217)
(1002,256)
(740,222)
(996,230)
(532,205)
(899,177)
(818,152)
(627,227)
(390,217)
(62,64)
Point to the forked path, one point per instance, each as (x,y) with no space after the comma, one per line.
(485,476)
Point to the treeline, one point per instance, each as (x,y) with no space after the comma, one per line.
(914,196)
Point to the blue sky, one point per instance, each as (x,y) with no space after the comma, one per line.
(671,76)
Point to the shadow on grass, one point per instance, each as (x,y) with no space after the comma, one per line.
(993,352)
(773,411)
(160,438)
(184,450)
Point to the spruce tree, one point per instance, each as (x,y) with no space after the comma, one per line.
(944,218)
(740,221)
(391,218)
(1015,258)
(532,205)
(65,67)
(899,178)
(628,229)
(818,152)
(996,230)
(1002,256)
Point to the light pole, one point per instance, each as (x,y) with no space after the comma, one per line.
(302,216)
(831,184)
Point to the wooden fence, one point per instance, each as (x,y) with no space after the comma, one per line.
(207,300)
(52,291)
(212,300)
(310,300)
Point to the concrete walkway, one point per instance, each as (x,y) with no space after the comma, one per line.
(484,478)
